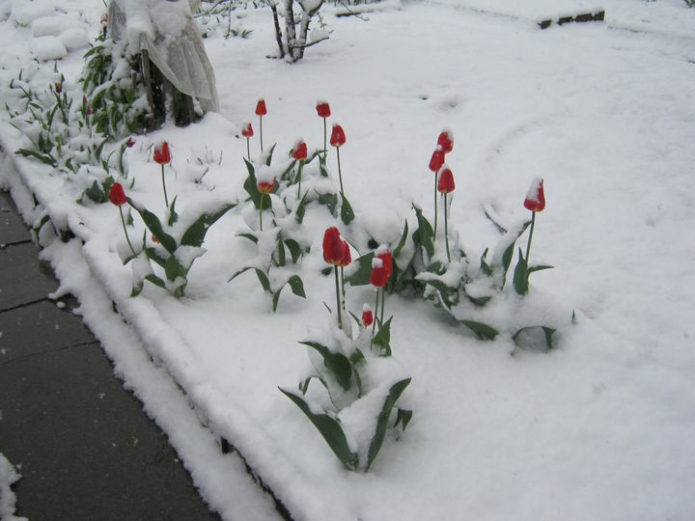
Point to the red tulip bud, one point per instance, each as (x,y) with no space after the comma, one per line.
(386,258)
(367,316)
(265,187)
(299,150)
(117,195)
(247,129)
(535,198)
(260,108)
(59,87)
(437,159)
(337,136)
(161,153)
(323,109)
(446,141)
(378,276)
(335,250)
(446,181)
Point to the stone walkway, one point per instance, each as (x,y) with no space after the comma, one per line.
(84,447)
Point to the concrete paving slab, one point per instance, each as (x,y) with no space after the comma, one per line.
(84,447)
(23,278)
(12,228)
(41,327)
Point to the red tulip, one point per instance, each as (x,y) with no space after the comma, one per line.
(161,153)
(265,186)
(323,109)
(437,159)
(59,87)
(345,257)
(299,150)
(260,108)
(446,181)
(378,276)
(535,198)
(332,246)
(367,316)
(117,195)
(337,136)
(130,142)
(386,258)
(247,129)
(446,141)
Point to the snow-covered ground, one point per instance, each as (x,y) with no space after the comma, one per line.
(601,427)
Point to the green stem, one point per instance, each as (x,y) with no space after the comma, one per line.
(376,311)
(248,148)
(337,297)
(260,213)
(125,230)
(299,179)
(260,131)
(446,229)
(342,287)
(325,147)
(435,205)
(164,187)
(383,305)
(340,174)
(530,235)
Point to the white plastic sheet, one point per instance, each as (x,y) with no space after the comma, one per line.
(167,31)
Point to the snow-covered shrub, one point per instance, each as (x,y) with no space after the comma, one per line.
(296,37)
(112,83)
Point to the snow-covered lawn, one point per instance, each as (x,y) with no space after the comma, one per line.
(601,427)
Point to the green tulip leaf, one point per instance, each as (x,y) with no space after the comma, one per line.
(383,418)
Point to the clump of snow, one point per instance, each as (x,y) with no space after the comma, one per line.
(27,12)
(8,476)
(53,25)
(75,38)
(48,48)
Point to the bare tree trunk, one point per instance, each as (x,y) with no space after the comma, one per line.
(278,31)
(290,33)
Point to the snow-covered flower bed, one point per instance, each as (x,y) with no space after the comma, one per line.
(598,426)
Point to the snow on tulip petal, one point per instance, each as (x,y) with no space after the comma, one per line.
(386,258)
(299,150)
(323,109)
(378,276)
(535,198)
(446,183)
(261,109)
(247,129)
(437,159)
(161,153)
(446,141)
(117,195)
(337,136)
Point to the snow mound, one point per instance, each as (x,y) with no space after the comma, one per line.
(48,48)
(26,14)
(8,476)
(75,38)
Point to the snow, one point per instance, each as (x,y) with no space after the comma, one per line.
(8,476)
(599,427)
(48,48)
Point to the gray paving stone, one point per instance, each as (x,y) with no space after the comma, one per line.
(40,327)
(84,447)
(23,278)
(12,228)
